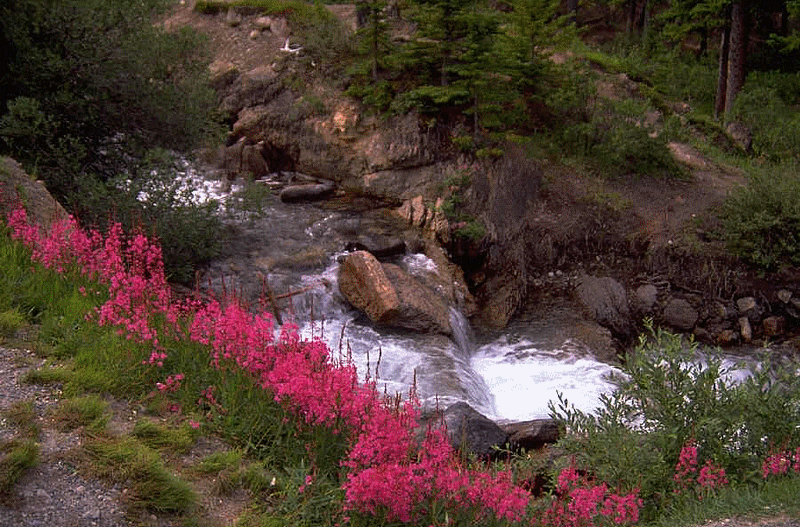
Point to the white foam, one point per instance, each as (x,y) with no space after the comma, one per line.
(523,379)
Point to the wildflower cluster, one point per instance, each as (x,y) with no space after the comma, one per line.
(170,384)
(404,487)
(580,502)
(779,463)
(709,478)
(131,267)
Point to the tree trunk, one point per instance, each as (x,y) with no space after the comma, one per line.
(722,74)
(572,10)
(631,19)
(737,54)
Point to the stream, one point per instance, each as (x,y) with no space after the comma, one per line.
(292,252)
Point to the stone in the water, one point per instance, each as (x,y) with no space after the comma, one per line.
(472,432)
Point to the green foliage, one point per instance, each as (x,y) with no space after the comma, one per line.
(766,105)
(672,393)
(158,201)
(620,141)
(22,415)
(151,485)
(90,87)
(15,457)
(761,221)
(87,411)
(11,320)
(164,438)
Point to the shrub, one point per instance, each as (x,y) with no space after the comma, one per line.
(10,321)
(761,221)
(677,422)
(774,123)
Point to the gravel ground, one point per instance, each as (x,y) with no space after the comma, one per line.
(53,493)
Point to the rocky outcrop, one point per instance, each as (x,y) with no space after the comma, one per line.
(390,296)
(18,188)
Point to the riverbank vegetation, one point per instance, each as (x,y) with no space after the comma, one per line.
(315,445)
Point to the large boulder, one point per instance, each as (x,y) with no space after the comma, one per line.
(472,432)
(364,284)
(18,188)
(680,314)
(390,296)
(420,308)
(605,301)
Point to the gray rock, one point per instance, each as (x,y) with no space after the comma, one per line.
(263,22)
(745,304)
(740,134)
(745,329)
(605,301)
(472,432)
(644,299)
(530,435)
(307,192)
(17,187)
(233,18)
(680,314)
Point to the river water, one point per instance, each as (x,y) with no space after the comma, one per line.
(292,252)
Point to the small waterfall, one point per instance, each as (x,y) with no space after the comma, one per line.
(462,332)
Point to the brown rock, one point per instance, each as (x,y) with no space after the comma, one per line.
(745,329)
(18,188)
(390,296)
(726,337)
(253,163)
(530,435)
(420,308)
(364,284)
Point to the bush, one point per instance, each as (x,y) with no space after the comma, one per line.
(618,139)
(775,124)
(87,89)
(159,201)
(673,400)
(761,222)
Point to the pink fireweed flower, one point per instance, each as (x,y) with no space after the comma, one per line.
(712,476)
(776,465)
